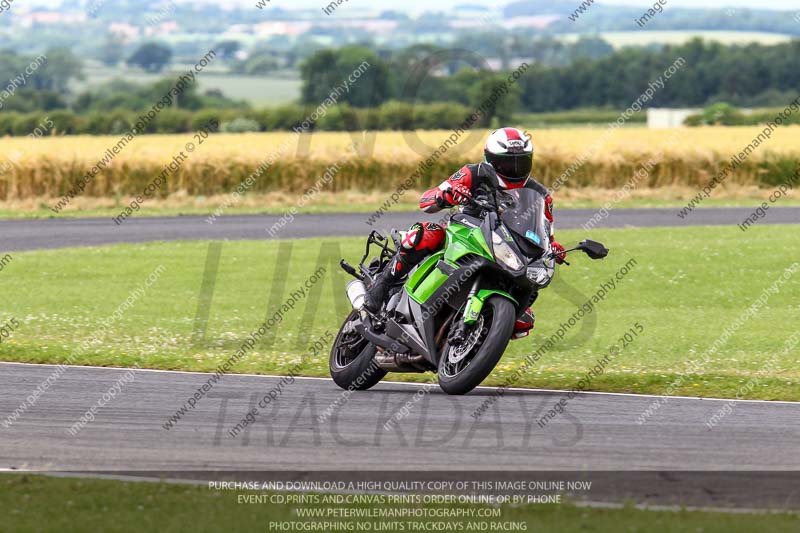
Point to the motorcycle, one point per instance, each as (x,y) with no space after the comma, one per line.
(455,312)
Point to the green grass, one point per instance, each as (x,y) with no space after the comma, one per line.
(145,211)
(577,117)
(365,207)
(40,503)
(689,284)
(261,91)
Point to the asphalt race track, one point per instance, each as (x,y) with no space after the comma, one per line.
(59,233)
(598,432)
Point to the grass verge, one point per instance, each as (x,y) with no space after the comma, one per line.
(278,203)
(40,503)
(687,287)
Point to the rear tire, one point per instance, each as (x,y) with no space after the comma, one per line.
(482,358)
(352,360)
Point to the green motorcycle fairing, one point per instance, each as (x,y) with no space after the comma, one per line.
(460,241)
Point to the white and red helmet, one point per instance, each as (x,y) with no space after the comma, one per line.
(510,152)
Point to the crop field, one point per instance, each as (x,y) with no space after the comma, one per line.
(380,161)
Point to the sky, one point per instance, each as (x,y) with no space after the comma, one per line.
(401,5)
(788,5)
(405,5)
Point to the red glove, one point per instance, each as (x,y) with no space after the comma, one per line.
(557,249)
(457,195)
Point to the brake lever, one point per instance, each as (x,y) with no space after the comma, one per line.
(553,256)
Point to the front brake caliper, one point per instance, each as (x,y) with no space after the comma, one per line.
(473,310)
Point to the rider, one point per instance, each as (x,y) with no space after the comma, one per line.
(508,159)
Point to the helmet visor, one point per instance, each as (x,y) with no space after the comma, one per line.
(513,166)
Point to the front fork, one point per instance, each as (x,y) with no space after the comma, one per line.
(474,305)
(457,333)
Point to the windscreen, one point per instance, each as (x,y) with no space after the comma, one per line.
(524,216)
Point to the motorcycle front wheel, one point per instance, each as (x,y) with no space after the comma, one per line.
(465,366)
(352,360)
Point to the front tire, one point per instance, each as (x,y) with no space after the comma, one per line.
(352,359)
(461,372)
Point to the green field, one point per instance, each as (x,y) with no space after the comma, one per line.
(687,286)
(260,91)
(39,503)
(577,117)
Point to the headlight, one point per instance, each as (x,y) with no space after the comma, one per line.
(541,272)
(504,254)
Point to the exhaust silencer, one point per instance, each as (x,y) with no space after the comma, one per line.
(356,293)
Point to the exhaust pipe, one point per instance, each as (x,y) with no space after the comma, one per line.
(400,362)
(356,293)
(364,328)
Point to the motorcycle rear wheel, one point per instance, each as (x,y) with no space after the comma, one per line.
(352,360)
(463,375)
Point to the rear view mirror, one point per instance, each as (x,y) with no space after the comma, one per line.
(593,249)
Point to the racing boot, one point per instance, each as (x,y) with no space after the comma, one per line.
(416,243)
(524,324)
(376,293)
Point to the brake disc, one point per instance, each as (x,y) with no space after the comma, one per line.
(456,353)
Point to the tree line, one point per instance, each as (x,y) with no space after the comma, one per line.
(744,75)
(399,116)
(420,87)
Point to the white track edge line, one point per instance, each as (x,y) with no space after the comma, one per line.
(517,389)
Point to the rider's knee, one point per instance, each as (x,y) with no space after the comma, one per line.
(423,236)
(432,237)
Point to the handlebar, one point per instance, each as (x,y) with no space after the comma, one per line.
(481,205)
(594,250)
(476,203)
